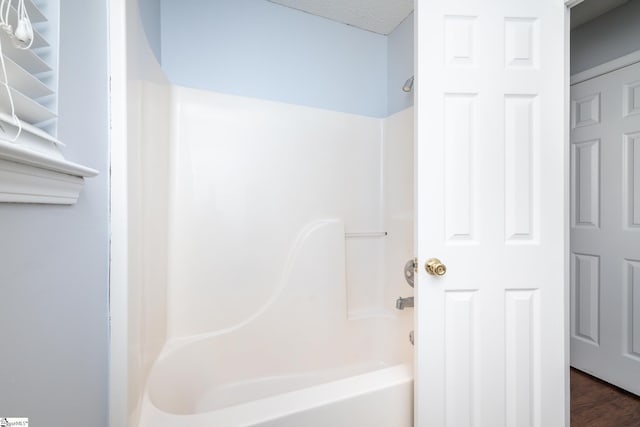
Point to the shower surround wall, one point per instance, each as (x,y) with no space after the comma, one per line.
(267,290)
(256,175)
(248,181)
(247,203)
(139,209)
(248,176)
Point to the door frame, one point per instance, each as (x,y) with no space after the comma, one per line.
(119,376)
(611,66)
(571,79)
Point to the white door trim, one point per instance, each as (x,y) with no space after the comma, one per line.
(118,220)
(607,67)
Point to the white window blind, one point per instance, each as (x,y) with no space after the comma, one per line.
(32,166)
(32,73)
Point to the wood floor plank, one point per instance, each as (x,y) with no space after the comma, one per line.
(595,403)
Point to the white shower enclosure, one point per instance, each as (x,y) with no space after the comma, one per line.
(284,262)
(262,245)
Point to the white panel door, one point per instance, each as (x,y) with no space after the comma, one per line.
(605,227)
(491,346)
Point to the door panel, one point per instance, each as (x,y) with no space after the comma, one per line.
(490,187)
(605,232)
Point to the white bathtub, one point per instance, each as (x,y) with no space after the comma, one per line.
(378,398)
(299,361)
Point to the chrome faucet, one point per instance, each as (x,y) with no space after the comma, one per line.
(402,303)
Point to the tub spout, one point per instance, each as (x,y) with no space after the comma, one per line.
(402,303)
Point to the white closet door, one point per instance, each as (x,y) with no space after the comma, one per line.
(491,334)
(605,227)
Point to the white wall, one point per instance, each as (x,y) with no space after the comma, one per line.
(606,38)
(54,275)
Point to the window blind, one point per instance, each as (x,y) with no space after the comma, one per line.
(32,166)
(31,74)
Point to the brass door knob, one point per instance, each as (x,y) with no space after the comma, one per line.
(435,267)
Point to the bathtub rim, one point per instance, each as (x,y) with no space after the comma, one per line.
(288,403)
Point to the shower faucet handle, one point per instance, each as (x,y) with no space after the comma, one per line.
(410,271)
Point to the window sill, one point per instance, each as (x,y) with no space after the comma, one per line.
(33,170)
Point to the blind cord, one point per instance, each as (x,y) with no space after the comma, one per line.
(22,38)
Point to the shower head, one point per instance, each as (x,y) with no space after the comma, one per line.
(408,85)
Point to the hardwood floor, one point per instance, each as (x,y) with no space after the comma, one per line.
(595,403)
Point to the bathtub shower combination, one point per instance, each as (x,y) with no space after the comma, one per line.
(297,361)
(288,229)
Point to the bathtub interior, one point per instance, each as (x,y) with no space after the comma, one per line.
(226,371)
(270,285)
(380,398)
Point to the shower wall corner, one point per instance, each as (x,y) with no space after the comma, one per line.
(139,136)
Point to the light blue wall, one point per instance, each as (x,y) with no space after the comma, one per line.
(259,49)
(400,65)
(54,268)
(151,21)
(612,35)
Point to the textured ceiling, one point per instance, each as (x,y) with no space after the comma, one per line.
(383,16)
(379,16)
